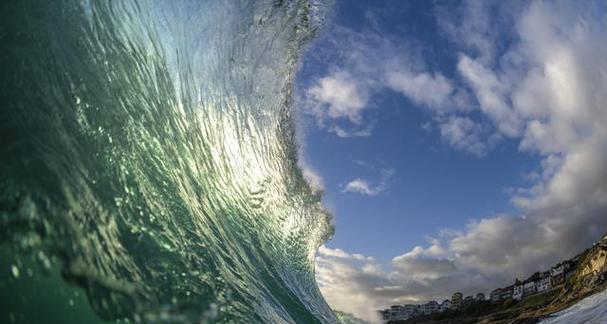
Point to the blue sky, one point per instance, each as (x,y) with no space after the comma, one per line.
(459,144)
(433,185)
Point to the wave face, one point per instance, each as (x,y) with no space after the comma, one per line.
(148,151)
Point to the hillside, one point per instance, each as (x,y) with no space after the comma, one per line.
(590,277)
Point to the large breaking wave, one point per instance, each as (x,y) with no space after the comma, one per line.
(148,152)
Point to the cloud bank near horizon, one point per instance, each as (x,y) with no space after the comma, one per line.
(545,88)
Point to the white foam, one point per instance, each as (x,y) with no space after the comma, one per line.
(591,310)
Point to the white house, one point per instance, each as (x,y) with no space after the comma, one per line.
(457,300)
(468,300)
(557,270)
(544,284)
(445,305)
(506,292)
(430,307)
(411,309)
(517,294)
(496,295)
(397,312)
(530,288)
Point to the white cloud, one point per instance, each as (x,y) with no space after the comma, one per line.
(549,90)
(465,134)
(363,187)
(339,253)
(477,25)
(369,63)
(350,287)
(433,91)
(338,96)
(340,100)
(361,288)
(423,264)
(490,93)
(342,132)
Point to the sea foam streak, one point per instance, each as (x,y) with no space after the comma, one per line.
(148,148)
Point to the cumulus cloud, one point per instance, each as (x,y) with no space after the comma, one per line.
(338,96)
(490,93)
(343,132)
(466,134)
(340,100)
(362,286)
(546,88)
(477,25)
(363,187)
(549,91)
(369,63)
(432,90)
(352,287)
(339,253)
(420,264)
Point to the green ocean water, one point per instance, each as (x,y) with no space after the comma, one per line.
(148,168)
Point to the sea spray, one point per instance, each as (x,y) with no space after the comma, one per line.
(148,154)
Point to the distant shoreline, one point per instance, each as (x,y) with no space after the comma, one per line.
(589,277)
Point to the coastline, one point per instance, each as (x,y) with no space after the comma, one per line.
(588,279)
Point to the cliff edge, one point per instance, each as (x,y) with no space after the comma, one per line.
(590,277)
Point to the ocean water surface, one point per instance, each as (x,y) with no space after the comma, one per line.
(590,310)
(149,164)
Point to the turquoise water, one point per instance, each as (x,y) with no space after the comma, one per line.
(149,164)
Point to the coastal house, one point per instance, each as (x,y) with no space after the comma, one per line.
(445,305)
(468,300)
(557,274)
(401,312)
(430,307)
(495,295)
(544,283)
(557,270)
(385,315)
(539,282)
(457,300)
(409,311)
(412,310)
(397,312)
(570,268)
(562,271)
(529,288)
(518,290)
(507,292)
